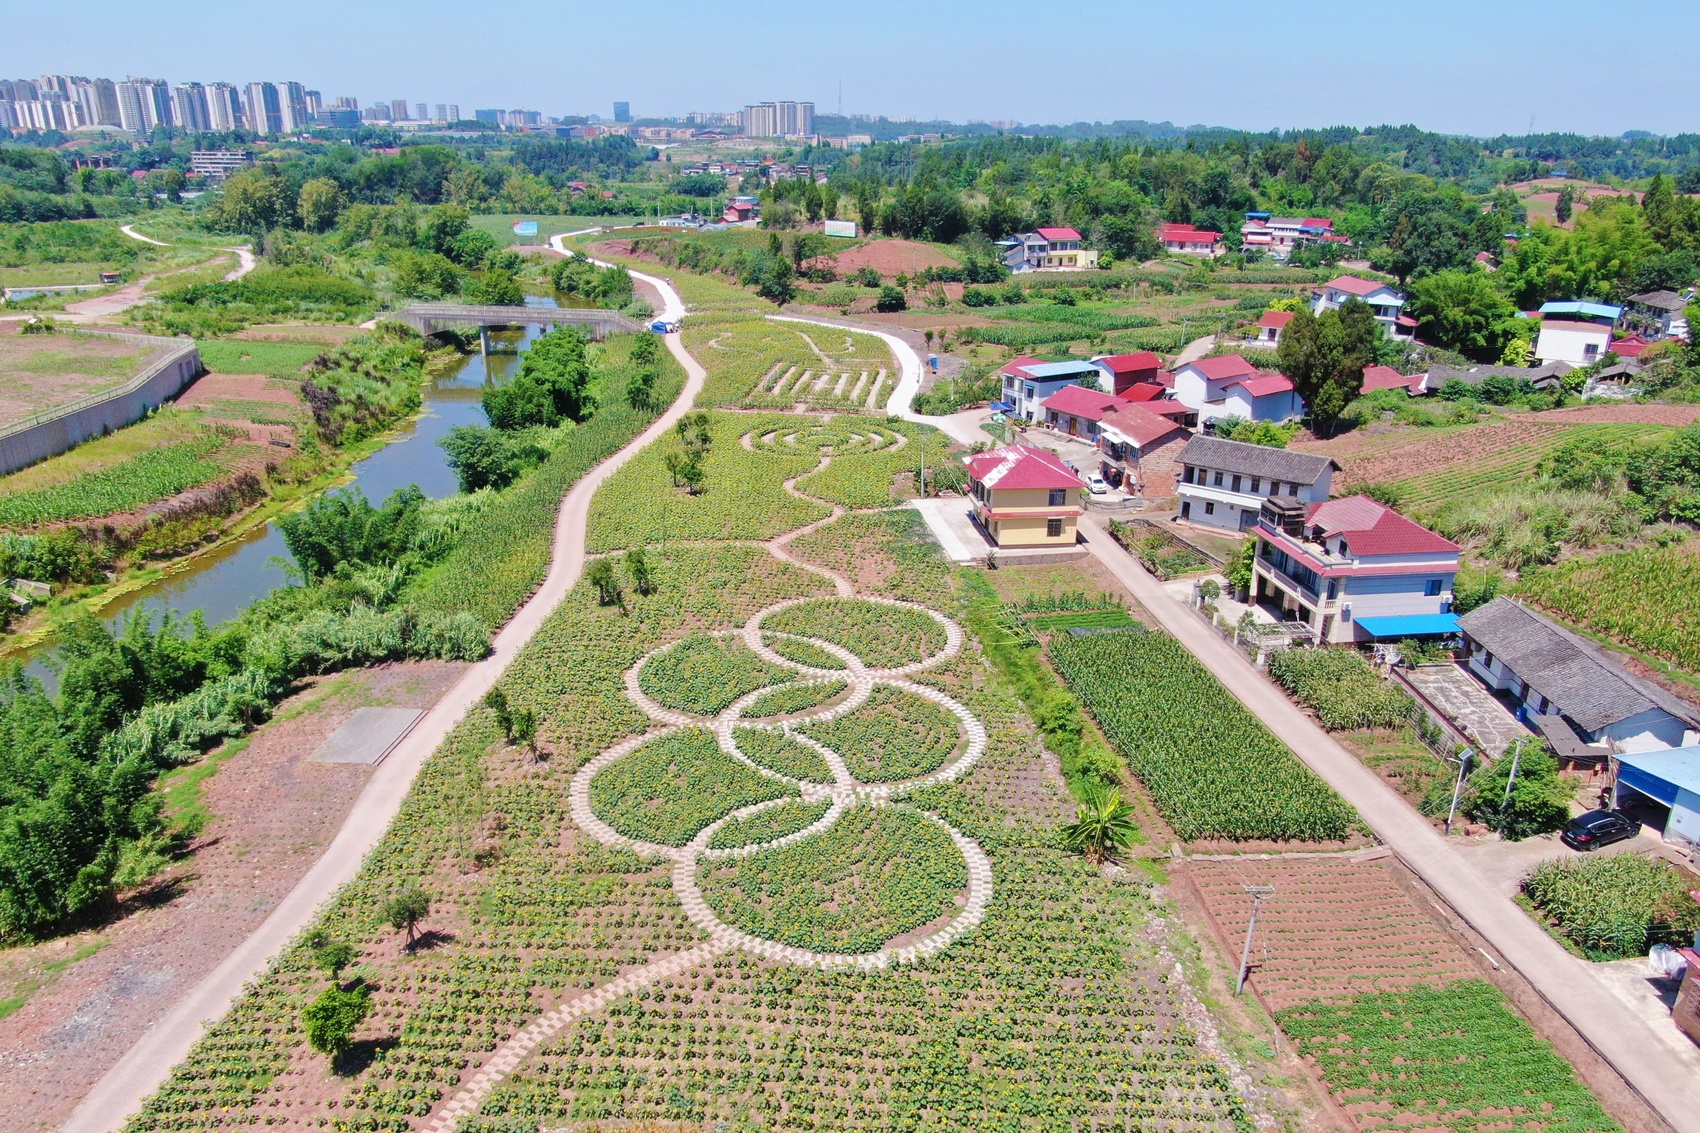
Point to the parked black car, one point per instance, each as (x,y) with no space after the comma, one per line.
(1598,828)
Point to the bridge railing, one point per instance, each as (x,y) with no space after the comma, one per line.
(427,318)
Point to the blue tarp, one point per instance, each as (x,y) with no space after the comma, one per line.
(1410,625)
(1002,407)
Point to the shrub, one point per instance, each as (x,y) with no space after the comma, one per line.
(891,299)
(330,1019)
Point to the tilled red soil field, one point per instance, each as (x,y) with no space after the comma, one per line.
(1334,928)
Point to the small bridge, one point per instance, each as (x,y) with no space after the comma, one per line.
(429,318)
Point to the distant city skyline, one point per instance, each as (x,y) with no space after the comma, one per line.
(1452,68)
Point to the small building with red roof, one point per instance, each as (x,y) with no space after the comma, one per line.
(1185,240)
(1047,249)
(1025,497)
(1270,328)
(1227,386)
(1353,570)
(1124,370)
(1384,302)
(1386,377)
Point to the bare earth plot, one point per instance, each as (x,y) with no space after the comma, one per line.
(39,371)
(273,814)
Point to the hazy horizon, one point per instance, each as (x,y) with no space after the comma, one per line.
(1224,63)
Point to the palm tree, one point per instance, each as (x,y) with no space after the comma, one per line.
(1103,824)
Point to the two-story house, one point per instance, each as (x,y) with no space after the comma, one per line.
(1047,249)
(1277,236)
(1228,386)
(1383,301)
(1025,497)
(1028,381)
(1575,331)
(1125,371)
(1139,450)
(1353,570)
(1224,483)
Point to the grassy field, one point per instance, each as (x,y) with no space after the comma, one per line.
(760,363)
(38,372)
(209,271)
(274,359)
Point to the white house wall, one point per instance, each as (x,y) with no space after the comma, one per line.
(1653,730)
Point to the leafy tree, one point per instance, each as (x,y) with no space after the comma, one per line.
(1325,357)
(602,576)
(1103,824)
(252,201)
(406,909)
(1566,204)
(1538,801)
(444,225)
(426,276)
(331,956)
(642,574)
(332,1018)
(525,731)
(891,299)
(485,458)
(553,385)
(319,204)
(342,528)
(498,287)
(497,702)
(1463,311)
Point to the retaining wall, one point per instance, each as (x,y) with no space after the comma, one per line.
(55,430)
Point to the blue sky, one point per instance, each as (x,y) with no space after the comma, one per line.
(1484,67)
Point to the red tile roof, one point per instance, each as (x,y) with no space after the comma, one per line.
(1079,401)
(1021,466)
(1266,384)
(1187,234)
(1168,408)
(1385,377)
(1223,366)
(1058,233)
(1275,319)
(1630,347)
(1140,425)
(1130,363)
(1353,285)
(1143,391)
(1319,222)
(1370,528)
(1166,379)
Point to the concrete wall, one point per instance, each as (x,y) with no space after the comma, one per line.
(63,427)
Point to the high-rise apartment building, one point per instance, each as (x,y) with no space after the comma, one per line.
(454,113)
(622,112)
(315,103)
(292,108)
(189,102)
(133,108)
(421,112)
(398,110)
(262,109)
(760,120)
(796,118)
(442,114)
(224,108)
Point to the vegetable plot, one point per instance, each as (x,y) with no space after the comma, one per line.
(704,674)
(791,698)
(1211,767)
(1341,688)
(779,752)
(874,874)
(766,825)
(895,735)
(882,635)
(672,787)
(143,479)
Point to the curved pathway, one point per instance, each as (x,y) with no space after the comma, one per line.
(132,294)
(145,1067)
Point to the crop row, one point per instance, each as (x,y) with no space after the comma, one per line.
(757,362)
(802,652)
(672,787)
(894,735)
(1341,688)
(145,478)
(703,674)
(874,874)
(1647,598)
(1213,769)
(882,635)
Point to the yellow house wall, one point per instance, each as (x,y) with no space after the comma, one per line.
(1025,532)
(1030,497)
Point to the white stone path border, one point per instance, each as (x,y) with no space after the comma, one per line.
(843,793)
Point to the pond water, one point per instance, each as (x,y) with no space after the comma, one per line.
(223,584)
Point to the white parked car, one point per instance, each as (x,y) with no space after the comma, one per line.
(1096,485)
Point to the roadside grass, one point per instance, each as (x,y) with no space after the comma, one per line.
(274,359)
(72,360)
(211,271)
(43,275)
(1400,758)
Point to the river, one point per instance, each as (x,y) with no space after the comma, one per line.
(223,583)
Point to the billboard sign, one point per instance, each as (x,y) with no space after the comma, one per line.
(844,228)
(525,228)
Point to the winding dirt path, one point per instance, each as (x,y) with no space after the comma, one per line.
(145,1067)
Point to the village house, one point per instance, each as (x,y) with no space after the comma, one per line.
(1125,371)
(1047,249)
(1139,450)
(1227,386)
(1353,570)
(1383,301)
(1659,314)
(1541,377)
(1223,483)
(741,209)
(1270,328)
(1076,410)
(1575,331)
(1278,236)
(1185,240)
(1025,497)
(1386,377)
(1556,676)
(1028,381)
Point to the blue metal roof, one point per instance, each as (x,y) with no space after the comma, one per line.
(1574,307)
(1050,371)
(1677,768)
(1410,625)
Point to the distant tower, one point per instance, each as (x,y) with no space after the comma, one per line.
(622,112)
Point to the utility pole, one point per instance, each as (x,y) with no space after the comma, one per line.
(1510,782)
(1464,758)
(1258,893)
